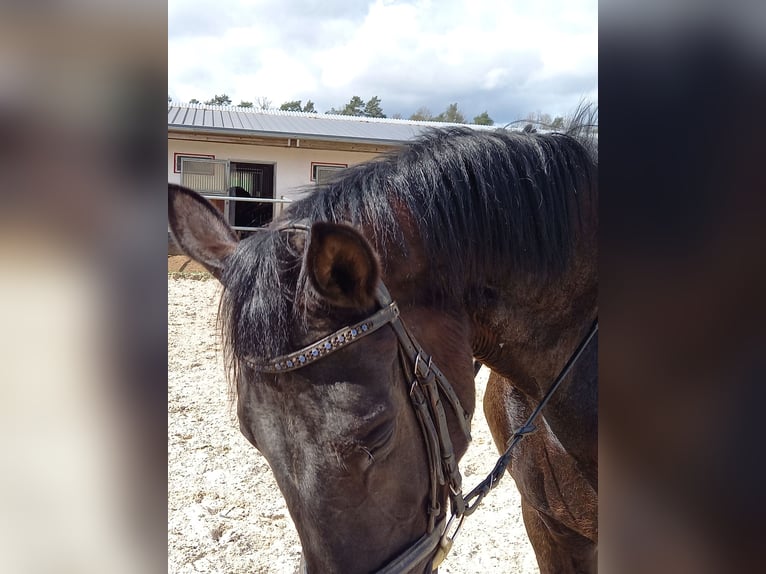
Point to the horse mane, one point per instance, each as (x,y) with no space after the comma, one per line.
(483,200)
(486,202)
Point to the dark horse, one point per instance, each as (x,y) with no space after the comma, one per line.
(486,242)
(247,213)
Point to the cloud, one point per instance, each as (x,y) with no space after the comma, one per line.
(485,55)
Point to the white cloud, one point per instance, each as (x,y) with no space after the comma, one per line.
(498,56)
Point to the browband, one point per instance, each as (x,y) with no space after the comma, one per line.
(329,344)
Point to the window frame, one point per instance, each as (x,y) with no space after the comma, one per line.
(315,165)
(178,156)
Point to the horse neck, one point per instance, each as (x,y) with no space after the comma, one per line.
(523,327)
(531,327)
(528,332)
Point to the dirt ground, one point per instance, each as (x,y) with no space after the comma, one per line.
(225,512)
(184,264)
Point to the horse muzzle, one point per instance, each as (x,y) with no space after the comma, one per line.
(428,550)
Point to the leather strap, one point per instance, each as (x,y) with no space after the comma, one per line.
(331,343)
(421,550)
(423,363)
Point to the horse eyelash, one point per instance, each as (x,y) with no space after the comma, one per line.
(369,454)
(341,462)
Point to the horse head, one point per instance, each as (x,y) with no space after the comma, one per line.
(325,385)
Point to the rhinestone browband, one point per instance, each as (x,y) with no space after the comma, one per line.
(331,343)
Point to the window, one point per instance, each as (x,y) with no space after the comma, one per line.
(323,172)
(179,157)
(197,167)
(205,175)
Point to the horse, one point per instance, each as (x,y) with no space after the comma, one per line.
(247,213)
(350,328)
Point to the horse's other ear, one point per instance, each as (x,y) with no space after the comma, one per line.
(199,229)
(342,266)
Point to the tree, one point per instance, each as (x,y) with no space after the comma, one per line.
(355,107)
(293,106)
(263,102)
(423,114)
(557,123)
(483,119)
(372,109)
(244,104)
(544,120)
(451,115)
(222,100)
(194,101)
(397,116)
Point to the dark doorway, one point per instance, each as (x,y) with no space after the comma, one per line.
(251,180)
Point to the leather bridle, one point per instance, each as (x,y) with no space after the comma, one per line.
(427,387)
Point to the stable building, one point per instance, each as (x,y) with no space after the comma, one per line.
(267,158)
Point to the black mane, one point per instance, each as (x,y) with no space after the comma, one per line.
(486,202)
(483,200)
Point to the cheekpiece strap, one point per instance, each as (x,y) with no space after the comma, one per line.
(330,344)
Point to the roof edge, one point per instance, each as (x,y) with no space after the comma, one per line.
(283,135)
(278,112)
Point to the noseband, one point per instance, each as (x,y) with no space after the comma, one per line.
(427,387)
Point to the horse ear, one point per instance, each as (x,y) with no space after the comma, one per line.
(199,229)
(342,266)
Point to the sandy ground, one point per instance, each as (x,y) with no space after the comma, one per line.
(184,264)
(225,512)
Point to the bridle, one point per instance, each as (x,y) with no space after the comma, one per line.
(427,388)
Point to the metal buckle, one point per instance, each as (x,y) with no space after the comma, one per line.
(446,541)
(419,360)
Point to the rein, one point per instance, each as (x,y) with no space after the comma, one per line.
(428,386)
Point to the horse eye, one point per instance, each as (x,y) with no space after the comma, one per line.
(378,442)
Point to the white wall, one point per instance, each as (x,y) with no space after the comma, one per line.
(292,167)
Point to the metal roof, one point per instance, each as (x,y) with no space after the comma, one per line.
(277,123)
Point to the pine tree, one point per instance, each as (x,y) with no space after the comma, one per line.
(355,107)
(451,115)
(483,119)
(222,100)
(372,109)
(293,106)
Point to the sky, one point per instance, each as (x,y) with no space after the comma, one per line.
(505,57)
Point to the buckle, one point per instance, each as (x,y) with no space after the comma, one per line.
(446,541)
(419,361)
